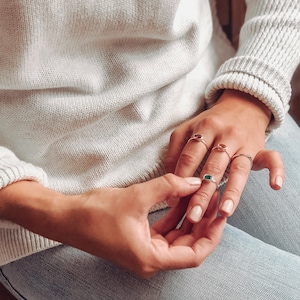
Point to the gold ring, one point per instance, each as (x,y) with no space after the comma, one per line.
(245,155)
(199,138)
(221,148)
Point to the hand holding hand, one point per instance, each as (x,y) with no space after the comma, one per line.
(113,224)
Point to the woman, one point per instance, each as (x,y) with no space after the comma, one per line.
(90,93)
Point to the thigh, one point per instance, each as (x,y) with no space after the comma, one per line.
(273,216)
(242,267)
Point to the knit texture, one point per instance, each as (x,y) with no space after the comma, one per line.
(266,59)
(91,90)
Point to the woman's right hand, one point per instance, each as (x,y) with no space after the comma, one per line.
(112,223)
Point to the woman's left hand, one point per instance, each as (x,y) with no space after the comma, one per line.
(233,128)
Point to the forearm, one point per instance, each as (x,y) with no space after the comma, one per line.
(32,206)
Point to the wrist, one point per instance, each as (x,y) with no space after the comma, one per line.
(236,98)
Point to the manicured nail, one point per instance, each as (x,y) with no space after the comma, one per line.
(195,213)
(173,202)
(278,181)
(194,181)
(227,206)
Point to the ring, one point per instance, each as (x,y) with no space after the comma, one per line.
(199,138)
(221,148)
(210,178)
(245,155)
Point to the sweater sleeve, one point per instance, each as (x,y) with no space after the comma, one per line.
(266,59)
(12,170)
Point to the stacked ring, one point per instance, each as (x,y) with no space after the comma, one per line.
(244,155)
(221,148)
(199,138)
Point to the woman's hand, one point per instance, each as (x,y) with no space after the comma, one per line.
(112,223)
(235,125)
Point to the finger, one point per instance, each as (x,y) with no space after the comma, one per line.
(180,257)
(159,189)
(271,160)
(182,236)
(191,155)
(212,174)
(178,139)
(172,218)
(238,175)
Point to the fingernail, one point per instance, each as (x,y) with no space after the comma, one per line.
(173,202)
(227,206)
(194,181)
(279,181)
(195,213)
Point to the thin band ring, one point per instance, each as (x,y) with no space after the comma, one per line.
(244,155)
(221,148)
(199,138)
(210,178)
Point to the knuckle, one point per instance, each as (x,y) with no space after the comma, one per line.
(213,167)
(188,159)
(212,122)
(202,195)
(170,179)
(234,192)
(240,168)
(236,132)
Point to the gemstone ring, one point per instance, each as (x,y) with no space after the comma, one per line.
(210,178)
(221,148)
(199,138)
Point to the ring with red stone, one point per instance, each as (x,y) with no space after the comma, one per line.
(210,178)
(198,138)
(221,148)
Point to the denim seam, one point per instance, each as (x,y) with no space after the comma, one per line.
(7,282)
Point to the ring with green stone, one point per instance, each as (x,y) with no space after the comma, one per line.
(210,178)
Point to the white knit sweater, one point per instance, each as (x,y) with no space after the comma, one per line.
(90,90)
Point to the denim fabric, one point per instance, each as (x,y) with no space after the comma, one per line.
(258,257)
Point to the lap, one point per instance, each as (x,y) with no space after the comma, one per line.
(241,267)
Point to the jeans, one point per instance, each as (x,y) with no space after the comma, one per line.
(257,258)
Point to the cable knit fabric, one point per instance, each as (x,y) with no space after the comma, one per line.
(91,90)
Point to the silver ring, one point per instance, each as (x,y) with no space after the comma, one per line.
(199,138)
(210,178)
(221,148)
(245,155)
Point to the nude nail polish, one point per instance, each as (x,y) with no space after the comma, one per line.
(194,181)
(227,206)
(195,214)
(279,181)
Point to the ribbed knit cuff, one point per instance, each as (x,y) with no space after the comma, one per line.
(256,78)
(12,170)
(16,243)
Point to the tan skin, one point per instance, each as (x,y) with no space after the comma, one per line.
(239,121)
(112,223)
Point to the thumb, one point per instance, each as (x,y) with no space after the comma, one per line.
(271,160)
(168,186)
